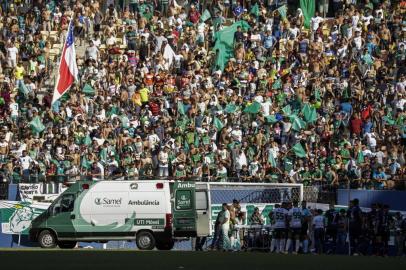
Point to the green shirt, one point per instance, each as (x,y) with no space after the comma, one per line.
(196,157)
(317,173)
(306,177)
(288,164)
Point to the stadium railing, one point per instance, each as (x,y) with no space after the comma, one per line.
(322,193)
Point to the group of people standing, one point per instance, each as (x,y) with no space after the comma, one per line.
(295,229)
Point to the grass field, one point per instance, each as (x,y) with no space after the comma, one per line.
(30,259)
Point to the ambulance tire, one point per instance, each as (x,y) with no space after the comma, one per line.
(67,244)
(145,240)
(47,239)
(165,245)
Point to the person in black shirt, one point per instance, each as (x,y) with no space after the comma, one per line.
(144,49)
(383,222)
(355,225)
(331,232)
(238,36)
(244,174)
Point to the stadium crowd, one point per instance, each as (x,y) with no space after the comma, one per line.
(295,229)
(221,90)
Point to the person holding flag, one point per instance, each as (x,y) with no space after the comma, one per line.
(68,69)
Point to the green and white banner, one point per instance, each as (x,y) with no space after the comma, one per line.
(16,217)
(43,192)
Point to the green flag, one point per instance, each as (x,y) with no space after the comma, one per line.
(224,46)
(87,140)
(186,146)
(309,113)
(388,119)
(297,122)
(205,16)
(103,155)
(287,111)
(360,157)
(230,108)
(85,163)
(181,108)
(400,120)
(125,122)
(218,124)
(282,11)
(308,8)
(299,151)
(277,84)
(36,125)
(254,108)
(54,161)
(271,119)
(23,89)
(197,140)
(271,160)
(88,90)
(255,10)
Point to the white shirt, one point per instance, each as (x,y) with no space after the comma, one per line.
(367,19)
(279,215)
(12,53)
(111,41)
(237,135)
(241,160)
(253,168)
(358,42)
(266,107)
(26,162)
(152,140)
(355,20)
(91,52)
(163,159)
(226,225)
(371,139)
(318,222)
(100,166)
(295,217)
(401,103)
(14,109)
(315,22)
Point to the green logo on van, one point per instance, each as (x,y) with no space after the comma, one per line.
(183,200)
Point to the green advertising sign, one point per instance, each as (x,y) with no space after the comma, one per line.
(149,222)
(183,200)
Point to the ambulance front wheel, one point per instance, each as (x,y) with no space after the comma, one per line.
(47,239)
(145,240)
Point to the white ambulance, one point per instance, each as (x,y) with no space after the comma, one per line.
(151,212)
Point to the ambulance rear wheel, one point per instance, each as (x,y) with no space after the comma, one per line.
(67,244)
(145,240)
(165,245)
(47,239)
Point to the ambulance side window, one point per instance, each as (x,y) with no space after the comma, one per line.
(67,203)
(56,207)
(201,200)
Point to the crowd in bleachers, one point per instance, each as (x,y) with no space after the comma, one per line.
(254,91)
